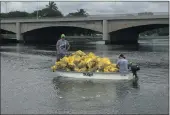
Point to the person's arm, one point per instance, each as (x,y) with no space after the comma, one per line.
(117,65)
(128,65)
(57,46)
(68,46)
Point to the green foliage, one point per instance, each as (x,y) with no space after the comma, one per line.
(51,10)
(15,14)
(80,12)
(158,32)
(52,6)
(145,13)
(48,12)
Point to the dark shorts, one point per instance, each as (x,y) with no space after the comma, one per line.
(60,56)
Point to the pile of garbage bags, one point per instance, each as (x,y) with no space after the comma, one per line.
(82,62)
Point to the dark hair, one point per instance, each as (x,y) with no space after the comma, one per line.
(121,55)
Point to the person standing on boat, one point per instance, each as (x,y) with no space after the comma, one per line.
(62,47)
(122,64)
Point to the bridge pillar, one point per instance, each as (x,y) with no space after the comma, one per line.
(106,36)
(18,32)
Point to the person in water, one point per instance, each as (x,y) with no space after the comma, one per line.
(62,47)
(122,64)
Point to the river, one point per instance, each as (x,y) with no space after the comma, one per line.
(29,87)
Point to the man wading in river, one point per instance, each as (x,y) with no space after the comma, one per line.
(122,64)
(62,47)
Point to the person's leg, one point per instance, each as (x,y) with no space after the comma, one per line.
(62,55)
(56,56)
(59,56)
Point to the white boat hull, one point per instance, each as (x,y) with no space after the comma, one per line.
(108,76)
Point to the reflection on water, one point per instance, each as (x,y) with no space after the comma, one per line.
(96,94)
(135,83)
(142,46)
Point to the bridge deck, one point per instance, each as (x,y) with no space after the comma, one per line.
(85,18)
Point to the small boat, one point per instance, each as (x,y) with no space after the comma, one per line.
(96,75)
(132,74)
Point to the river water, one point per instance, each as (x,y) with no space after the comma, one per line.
(29,87)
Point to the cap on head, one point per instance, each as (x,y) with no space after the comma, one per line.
(121,56)
(62,36)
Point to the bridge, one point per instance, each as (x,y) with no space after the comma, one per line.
(114,28)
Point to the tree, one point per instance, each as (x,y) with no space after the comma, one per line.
(3,15)
(145,13)
(80,12)
(52,6)
(159,32)
(17,14)
(34,14)
(51,10)
(47,12)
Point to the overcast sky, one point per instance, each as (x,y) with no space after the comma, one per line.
(93,8)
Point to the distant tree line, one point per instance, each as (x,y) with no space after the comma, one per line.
(156,32)
(145,13)
(51,10)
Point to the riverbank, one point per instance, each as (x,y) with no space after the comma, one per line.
(10,38)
